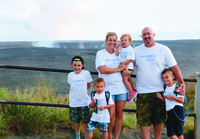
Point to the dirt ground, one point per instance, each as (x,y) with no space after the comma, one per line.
(69,134)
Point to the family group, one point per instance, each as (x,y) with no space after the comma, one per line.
(155,66)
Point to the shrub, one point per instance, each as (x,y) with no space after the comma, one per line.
(31,120)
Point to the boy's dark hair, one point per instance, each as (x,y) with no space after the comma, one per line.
(167,70)
(78,58)
(98,80)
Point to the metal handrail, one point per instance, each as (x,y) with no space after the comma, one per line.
(65,71)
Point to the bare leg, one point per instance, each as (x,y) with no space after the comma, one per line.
(181,137)
(85,127)
(77,126)
(110,125)
(119,107)
(131,82)
(127,83)
(89,134)
(105,135)
(173,137)
(77,129)
(146,132)
(158,128)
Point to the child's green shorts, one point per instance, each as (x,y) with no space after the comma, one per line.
(150,109)
(78,114)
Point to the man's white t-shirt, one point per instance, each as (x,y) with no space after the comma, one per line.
(170,104)
(113,81)
(104,115)
(126,54)
(78,96)
(150,62)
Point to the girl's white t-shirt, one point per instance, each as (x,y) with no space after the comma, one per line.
(126,54)
(104,115)
(170,104)
(78,96)
(150,62)
(113,81)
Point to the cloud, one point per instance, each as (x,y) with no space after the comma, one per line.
(49,20)
(15,32)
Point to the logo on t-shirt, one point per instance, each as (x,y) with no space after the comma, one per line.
(113,61)
(123,56)
(149,57)
(77,82)
(101,102)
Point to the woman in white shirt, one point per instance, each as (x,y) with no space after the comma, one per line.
(109,68)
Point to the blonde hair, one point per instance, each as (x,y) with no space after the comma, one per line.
(99,80)
(110,34)
(126,34)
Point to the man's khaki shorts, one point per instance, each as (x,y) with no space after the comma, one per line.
(150,109)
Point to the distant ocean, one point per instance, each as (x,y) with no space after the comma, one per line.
(58,54)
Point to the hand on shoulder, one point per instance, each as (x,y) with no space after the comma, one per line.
(182,85)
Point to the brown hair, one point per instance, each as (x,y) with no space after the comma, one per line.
(129,36)
(98,80)
(110,34)
(168,70)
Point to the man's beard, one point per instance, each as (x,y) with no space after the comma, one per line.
(148,41)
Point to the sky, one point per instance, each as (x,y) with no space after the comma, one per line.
(53,20)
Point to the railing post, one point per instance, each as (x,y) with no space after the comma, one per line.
(197,107)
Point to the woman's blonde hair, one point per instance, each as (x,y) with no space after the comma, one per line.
(129,36)
(110,34)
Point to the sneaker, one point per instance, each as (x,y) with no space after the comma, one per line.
(132,96)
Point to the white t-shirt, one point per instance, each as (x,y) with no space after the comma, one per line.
(126,54)
(104,115)
(150,62)
(113,81)
(170,104)
(78,96)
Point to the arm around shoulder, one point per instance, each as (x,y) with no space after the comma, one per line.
(178,77)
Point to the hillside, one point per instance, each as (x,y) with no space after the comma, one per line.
(186,52)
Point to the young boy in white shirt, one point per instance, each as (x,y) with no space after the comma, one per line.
(126,54)
(174,105)
(80,81)
(102,104)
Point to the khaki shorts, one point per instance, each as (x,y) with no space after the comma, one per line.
(150,109)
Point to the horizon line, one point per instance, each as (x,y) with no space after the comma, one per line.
(86,40)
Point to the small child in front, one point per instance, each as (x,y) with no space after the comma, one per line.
(80,81)
(101,116)
(126,53)
(174,104)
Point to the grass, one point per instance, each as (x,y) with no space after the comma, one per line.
(190,96)
(23,120)
(31,120)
